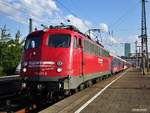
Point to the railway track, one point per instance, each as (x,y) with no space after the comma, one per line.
(9,86)
(12,99)
(22,104)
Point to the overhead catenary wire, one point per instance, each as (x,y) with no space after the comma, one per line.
(122,17)
(75,6)
(70,11)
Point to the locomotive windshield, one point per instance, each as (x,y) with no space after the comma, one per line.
(59,40)
(32,41)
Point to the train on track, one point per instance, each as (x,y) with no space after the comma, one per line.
(62,59)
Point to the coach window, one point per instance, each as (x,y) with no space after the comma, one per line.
(75,42)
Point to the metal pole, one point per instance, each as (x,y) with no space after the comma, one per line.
(147,56)
(145,37)
(145,59)
(30,25)
(136,54)
(142,57)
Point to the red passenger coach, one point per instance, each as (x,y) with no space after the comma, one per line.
(63,58)
(117,64)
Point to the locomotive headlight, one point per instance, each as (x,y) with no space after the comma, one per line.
(24,85)
(59,70)
(59,63)
(24,70)
(60,85)
(39,86)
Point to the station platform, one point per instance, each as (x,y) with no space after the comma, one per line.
(127,92)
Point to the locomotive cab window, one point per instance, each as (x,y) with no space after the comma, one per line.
(59,41)
(32,42)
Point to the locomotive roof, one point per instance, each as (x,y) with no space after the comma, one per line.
(72,28)
(68,28)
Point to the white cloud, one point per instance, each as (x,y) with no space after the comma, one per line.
(39,8)
(112,40)
(41,11)
(129,39)
(13,13)
(81,24)
(117,45)
(103,27)
(22,10)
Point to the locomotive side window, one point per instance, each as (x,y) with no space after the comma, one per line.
(75,42)
(105,53)
(94,49)
(59,41)
(86,46)
(97,51)
(80,42)
(90,48)
(100,51)
(32,42)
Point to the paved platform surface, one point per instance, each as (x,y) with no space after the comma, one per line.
(130,93)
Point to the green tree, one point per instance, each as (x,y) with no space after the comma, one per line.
(10,53)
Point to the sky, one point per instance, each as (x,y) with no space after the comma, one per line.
(121,17)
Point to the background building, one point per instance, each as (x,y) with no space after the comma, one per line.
(127,49)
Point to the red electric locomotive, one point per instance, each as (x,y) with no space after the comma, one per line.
(63,58)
